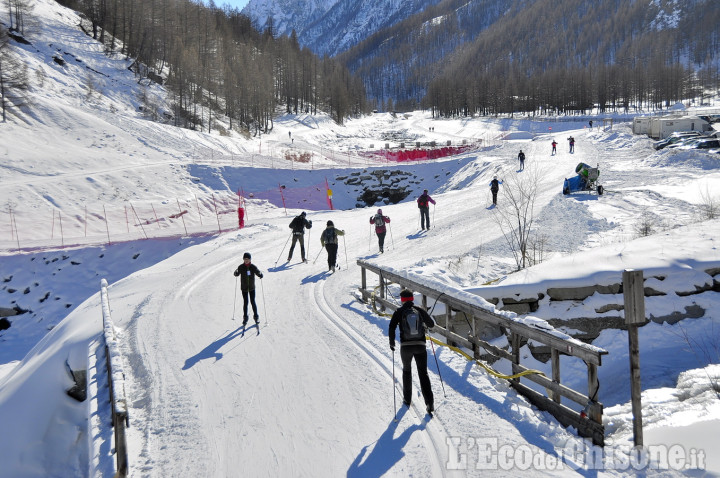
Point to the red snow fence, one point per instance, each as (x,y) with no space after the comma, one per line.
(420,154)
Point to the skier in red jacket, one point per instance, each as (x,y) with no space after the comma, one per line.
(379,220)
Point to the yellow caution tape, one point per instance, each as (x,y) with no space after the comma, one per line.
(481,364)
(460,351)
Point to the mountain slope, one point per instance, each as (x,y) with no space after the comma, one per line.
(331,27)
(461,39)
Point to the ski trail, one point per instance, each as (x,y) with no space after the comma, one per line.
(434,439)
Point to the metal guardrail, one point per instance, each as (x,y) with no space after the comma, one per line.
(519,331)
(116,381)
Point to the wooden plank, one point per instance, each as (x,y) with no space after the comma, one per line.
(556,388)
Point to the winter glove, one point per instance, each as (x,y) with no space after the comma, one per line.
(260,275)
(309,222)
(237,272)
(392,346)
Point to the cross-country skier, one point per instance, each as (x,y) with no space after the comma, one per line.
(379,220)
(424,204)
(329,240)
(494,188)
(413,321)
(247,272)
(554,148)
(521,157)
(298,226)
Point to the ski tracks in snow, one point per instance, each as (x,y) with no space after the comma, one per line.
(435,435)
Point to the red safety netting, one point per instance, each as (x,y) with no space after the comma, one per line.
(417,154)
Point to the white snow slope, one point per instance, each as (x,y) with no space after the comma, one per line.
(311,392)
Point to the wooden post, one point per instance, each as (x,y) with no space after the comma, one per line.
(634,297)
(363,278)
(595,410)
(515,347)
(555,359)
(382,292)
(448,314)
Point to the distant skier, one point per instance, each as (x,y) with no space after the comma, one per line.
(423,203)
(329,240)
(247,272)
(298,226)
(554,148)
(590,124)
(571,140)
(521,157)
(379,220)
(494,188)
(413,321)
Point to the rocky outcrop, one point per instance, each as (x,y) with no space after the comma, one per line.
(380,186)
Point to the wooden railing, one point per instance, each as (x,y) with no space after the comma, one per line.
(588,422)
(116,381)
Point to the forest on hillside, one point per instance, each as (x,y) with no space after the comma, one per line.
(551,56)
(214,62)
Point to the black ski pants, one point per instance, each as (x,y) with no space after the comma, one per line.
(332,255)
(298,238)
(419,353)
(381,240)
(424,217)
(494,194)
(248,294)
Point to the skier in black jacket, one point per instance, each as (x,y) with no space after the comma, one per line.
(413,322)
(298,226)
(247,272)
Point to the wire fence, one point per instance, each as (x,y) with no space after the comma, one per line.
(31,230)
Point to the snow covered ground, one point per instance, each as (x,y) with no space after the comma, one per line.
(311,392)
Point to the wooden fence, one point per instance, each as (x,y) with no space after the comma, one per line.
(116,381)
(588,422)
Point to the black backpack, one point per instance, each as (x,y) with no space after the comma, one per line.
(379,220)
(412,325)
(423,201)
(330,236)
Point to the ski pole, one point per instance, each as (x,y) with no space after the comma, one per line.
(262,291)
(308,247)
(438,368)
(391,236)
(345,248)
(394,391)
(235,298)
(433,216)
(316,257)
(370,238)
(283,249)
